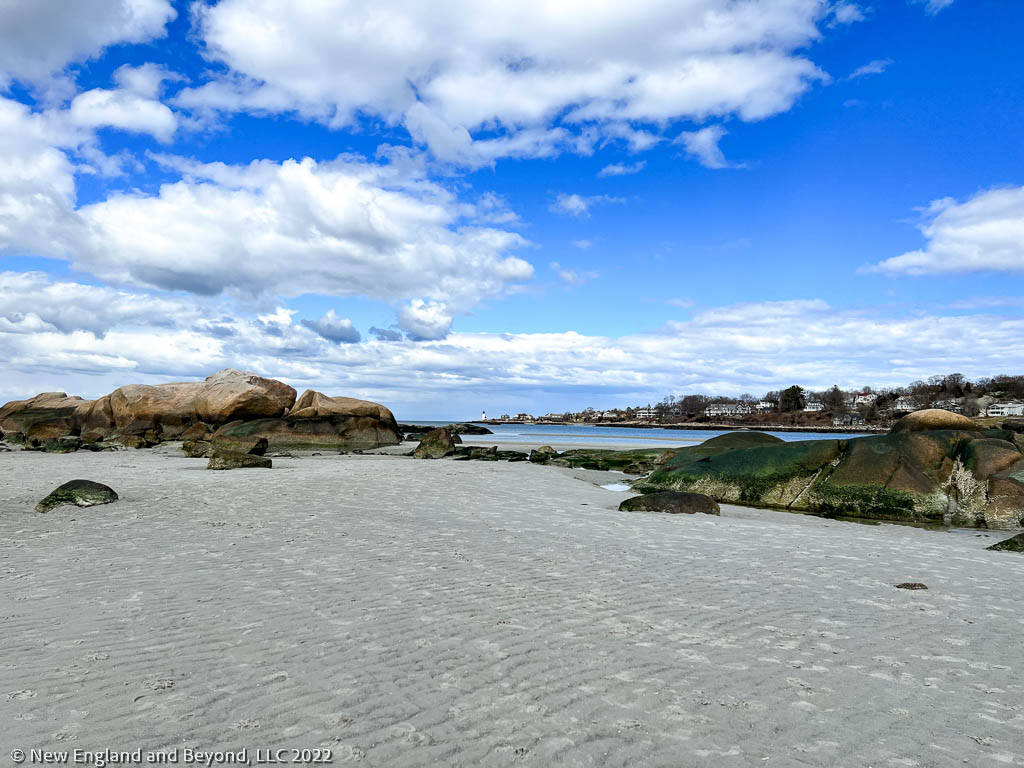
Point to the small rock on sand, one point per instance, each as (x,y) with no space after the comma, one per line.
(437,444)
(83,493)
(673,503)
(234,460)
(911,585)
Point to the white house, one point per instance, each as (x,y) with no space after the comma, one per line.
(906,405)
(728,409)
(814,406)
(865,398)
(1005,409)
(765,405)
(645,413)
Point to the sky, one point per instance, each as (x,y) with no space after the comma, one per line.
(535,206)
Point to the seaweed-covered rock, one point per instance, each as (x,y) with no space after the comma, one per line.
(437,444)
(1012,544)
(964,477)
(634,462)
(257,446)
(932,419)
(672,503)
(82,493)
(477,453)
(197,449)
(67,444)
(543,454)
(233,460)
(774,473)
(512,456)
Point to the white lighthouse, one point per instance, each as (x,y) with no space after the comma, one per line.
(483,415)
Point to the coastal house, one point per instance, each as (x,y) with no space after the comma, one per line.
(948,405)
(763,406)
(905,405)
(646,413)
(523,417)
(1005,409)
(814,406)
(848,420)
(865,398)
(728,409)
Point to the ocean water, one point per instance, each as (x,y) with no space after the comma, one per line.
(538,434)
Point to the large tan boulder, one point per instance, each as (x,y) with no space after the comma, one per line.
(138,407)
(321,423)
(232,394)
(311,404)
(931,419)
(229,395)
(47,416)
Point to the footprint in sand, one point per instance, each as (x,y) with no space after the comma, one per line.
(23,694)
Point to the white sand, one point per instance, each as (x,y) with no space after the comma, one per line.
(463,613)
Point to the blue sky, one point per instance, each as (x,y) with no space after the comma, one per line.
(513,207)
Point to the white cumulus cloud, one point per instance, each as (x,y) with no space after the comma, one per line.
(703,145)
(985,233)
(37,39)
(334,328)
(425,321)
(483,79)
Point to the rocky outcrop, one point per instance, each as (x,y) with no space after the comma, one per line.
(251,444)
(436,444)
(46,416)
(81,493)
(224,459)
(672,503)
(321,423)
(634,462)
(960,477)
(226,396)
(543,454)
(237,405)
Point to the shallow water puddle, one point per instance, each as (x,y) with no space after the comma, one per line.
(616,487)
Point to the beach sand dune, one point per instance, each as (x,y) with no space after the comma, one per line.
(417,613)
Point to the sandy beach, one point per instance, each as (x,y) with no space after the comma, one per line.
(421,613)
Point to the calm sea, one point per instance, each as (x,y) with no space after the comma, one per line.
(535,434)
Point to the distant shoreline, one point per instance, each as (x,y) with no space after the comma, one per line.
(702,427)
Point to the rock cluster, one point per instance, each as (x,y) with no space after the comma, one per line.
(957,473)
(230,407)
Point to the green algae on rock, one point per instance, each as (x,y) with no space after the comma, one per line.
(81,493)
